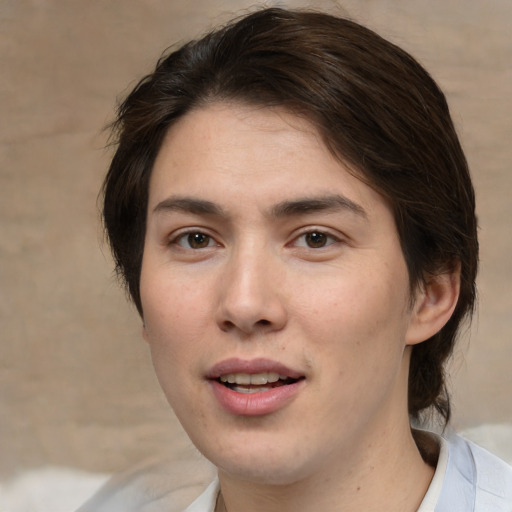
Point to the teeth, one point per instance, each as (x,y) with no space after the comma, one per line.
(256,379)
(250,390)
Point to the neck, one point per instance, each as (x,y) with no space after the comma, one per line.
(386,477)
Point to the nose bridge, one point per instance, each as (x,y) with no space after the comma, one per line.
(249,295)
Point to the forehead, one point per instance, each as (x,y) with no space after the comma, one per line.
(234,129)
(232,152)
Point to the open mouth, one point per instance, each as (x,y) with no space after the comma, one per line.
(255,382)
(254,387)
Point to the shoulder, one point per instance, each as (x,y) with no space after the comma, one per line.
(208,499)
(488,478)
(493,476)
(153,486)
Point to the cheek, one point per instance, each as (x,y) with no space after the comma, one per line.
(172,317)
(355,297)
(171,299)
(357,316)
(174,342)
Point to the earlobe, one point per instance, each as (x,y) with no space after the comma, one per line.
(434,305)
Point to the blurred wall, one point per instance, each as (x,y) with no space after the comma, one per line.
(76,383)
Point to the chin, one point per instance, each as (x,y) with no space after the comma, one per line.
(263,463)
(263,474)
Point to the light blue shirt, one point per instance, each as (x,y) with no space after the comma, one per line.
(475,480)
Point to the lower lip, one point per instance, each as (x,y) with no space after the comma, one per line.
(255,404)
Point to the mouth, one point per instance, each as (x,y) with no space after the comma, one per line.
(255,387)
(255,382)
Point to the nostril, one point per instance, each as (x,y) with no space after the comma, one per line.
(227,325)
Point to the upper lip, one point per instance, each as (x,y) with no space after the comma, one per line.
(251,366)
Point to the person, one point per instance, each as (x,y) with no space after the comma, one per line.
(293,216)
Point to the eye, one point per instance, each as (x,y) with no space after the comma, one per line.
(194,240)
(315,239)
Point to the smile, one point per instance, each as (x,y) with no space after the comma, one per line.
(256,382)
(254,387)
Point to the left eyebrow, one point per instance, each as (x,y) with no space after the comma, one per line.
(307,205)
(188,205)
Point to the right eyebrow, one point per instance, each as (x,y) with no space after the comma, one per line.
(188,205)
(309,205)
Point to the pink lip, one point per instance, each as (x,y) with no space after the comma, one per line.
(254,404)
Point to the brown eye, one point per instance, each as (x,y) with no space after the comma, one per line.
(316,239)
(195,240)
(198,240)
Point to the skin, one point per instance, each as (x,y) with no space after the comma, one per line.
(242,278)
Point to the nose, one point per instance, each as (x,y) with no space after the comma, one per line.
(251,298)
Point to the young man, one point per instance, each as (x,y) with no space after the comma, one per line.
(292,213)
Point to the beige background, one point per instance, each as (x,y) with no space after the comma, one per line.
(76,384)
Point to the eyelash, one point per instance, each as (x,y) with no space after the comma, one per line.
(326,239)
(187,236)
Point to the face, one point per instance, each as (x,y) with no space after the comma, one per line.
(275,296)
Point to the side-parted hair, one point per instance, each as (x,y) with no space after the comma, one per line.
(377,110)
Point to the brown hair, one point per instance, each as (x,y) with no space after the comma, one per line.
(376,108)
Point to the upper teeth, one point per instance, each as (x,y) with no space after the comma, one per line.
(257,379)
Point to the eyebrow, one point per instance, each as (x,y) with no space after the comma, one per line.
(188,205)
(301,206)
(308,205)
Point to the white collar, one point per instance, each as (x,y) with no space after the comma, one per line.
(436,485)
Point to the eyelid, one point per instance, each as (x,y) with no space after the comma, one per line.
(336,238)
(179,234)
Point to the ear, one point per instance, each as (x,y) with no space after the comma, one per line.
(434,304)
